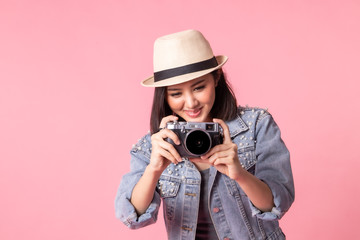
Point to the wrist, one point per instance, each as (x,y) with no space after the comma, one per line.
(242,176)
(154,171)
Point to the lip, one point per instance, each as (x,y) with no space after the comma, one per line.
(193,113)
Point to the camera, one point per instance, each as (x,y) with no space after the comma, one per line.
(196,138)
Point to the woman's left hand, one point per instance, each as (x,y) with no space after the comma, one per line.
(224,157)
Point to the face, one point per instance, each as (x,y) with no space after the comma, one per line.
(194,99)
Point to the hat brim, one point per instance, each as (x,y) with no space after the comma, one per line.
(149,82)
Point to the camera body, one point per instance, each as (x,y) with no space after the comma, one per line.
(196,138)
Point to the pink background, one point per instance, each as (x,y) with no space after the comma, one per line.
(71,105)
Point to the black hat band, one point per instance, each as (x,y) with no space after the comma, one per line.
(194,67)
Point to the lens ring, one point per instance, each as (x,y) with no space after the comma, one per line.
(197,142)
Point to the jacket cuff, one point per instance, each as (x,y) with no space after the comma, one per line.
(272,215)
(277,211)
(130,218)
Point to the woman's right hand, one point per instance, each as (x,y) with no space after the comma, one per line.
(163,153)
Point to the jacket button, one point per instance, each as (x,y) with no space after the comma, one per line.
(216,210)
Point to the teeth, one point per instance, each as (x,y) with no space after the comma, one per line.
(194,111)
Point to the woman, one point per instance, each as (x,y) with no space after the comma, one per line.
(239,189)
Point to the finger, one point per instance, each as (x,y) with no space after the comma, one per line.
(167,119)
(166,133)
(158,140)
(217,148)
(168,156)
(162,152)
(170,149)
(217,156)
(227,138)
(221,161)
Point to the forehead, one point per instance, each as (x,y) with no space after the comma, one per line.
(191,83)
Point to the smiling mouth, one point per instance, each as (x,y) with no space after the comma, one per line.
(193,113)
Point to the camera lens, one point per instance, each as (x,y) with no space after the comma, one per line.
(198,142)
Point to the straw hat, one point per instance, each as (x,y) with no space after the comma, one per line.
(181,57)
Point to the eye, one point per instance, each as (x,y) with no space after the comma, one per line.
(199,88)
(175,94)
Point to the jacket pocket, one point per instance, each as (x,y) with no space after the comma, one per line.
(168,189)
(247,158)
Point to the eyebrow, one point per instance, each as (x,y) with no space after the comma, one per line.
(177,89)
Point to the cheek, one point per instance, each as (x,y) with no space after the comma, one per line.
(209,97)
(174,104)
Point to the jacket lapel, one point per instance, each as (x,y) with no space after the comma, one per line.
(236,126)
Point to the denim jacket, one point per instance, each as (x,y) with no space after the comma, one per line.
(261,151)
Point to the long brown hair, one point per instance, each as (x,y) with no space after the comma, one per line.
(225,105)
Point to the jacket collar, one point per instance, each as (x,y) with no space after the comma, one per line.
(236,126)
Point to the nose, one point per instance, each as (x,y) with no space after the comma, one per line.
(190,101)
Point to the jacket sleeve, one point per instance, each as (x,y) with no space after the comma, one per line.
(273,167)
(124,210)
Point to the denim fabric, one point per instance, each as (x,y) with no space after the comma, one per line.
(261,151)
